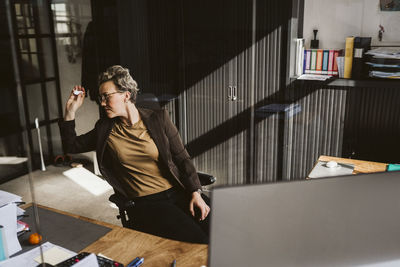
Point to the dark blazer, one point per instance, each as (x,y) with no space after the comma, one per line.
(161,129)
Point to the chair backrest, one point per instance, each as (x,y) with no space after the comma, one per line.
(147,100)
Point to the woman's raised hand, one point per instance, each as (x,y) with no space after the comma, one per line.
(74,102)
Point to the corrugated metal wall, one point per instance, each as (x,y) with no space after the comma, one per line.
(207,109)
(252,139)
(255,70)
(357,122)
(267,132)
(316,130)
(217,58)
(345,121)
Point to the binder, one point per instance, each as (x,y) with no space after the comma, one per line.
(325,60)
(319,60)
(313,61)
(299,56)
(299,61)
(308,61)
(361,45)
(335,65)
(330,62)
(348,57)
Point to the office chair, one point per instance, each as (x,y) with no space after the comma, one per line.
(124,204)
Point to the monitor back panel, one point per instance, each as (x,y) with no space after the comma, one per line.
(342,221)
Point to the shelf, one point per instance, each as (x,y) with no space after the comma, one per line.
(372,83)
(367,83)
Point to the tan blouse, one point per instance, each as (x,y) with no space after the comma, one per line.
(135,151)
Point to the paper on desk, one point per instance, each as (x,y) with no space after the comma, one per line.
(22,226)
(321,170)
(54,256)
(20,211)
(27,259)
(8,218)
(314,77)
(89,261)
(6,198)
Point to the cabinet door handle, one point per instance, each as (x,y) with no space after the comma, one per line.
(230,92)
(234,95)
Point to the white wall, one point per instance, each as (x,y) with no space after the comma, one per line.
(337,19)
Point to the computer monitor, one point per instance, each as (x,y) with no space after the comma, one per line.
(340,221)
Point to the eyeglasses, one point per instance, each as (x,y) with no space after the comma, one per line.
(104,97)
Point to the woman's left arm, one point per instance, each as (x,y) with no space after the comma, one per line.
(198,202)
(183,161)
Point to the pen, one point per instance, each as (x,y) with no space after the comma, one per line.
(138,263)
(173,263)
(133,262)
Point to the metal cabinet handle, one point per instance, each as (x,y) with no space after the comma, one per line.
(230,92)
(234,95)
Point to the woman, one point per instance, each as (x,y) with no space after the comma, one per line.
(140,153)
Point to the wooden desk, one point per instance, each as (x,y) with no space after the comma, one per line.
(360,166)
(123,245)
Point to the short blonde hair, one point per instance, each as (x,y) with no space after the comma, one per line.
(121,78)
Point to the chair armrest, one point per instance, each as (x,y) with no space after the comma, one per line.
(121,202)
(206,179)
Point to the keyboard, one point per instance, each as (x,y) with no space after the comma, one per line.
(103,262)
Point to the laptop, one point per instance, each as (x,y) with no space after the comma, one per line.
(340,221)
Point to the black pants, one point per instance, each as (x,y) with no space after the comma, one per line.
(167,214)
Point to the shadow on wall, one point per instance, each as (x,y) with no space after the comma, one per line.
(171,46)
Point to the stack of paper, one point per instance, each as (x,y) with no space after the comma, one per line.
(52,254)
(385,52)
(10,224)
(8,217)
(7,198)
(22,227)
(386,75)
(385,62)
